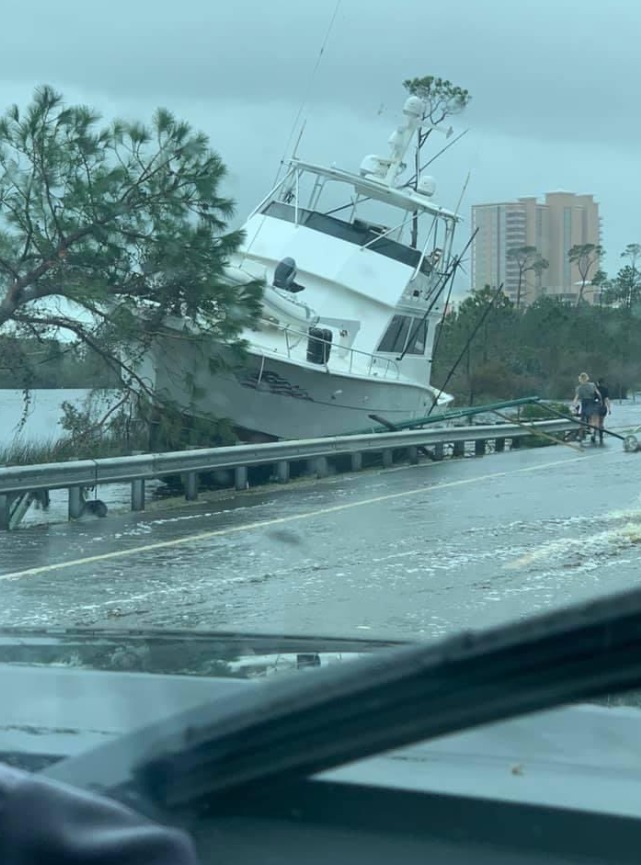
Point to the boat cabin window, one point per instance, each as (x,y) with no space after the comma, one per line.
(359,233)
(417,337)
(405,334)
(396,334)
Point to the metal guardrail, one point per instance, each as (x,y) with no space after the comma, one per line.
(453,414)
(89,473)
(80,474)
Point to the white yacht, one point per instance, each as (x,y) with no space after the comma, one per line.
(350,305)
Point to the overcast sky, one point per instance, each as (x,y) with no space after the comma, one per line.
(554,84)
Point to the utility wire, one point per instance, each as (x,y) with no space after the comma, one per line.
(309,88)
(468,342)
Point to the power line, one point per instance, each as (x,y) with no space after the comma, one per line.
(468,343)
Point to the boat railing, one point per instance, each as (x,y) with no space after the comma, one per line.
(385,367)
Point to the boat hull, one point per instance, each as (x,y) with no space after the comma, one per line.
(278,398)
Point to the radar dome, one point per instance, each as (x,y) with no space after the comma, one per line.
(373,164)
(414,106)
(427,185)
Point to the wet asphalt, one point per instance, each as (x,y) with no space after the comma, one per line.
(412,551)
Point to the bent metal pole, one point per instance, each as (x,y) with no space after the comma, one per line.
(538,432)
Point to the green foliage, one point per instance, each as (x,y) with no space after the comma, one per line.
(526,258)
(27,362)
(586,257)
(172,429)
(85,425)
(105,229)
(601,282)
(536,411)
(84,435)
(441,99)
(21,453)
(632,252)
(107,424)
(625,289)
(540,349)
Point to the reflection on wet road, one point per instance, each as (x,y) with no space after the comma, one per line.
(412,551)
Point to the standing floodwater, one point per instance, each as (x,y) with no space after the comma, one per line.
(421,550)
(36,417)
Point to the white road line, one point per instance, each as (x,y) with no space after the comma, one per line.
(278,521)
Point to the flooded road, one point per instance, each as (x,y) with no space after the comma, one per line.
(412,551)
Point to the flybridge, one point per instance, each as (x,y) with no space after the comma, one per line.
(367,186)
(378,178)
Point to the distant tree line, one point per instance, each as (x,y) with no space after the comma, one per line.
(623,290)
(540,349)
(49,363)
(584,256)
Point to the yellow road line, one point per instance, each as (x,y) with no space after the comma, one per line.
(277,521)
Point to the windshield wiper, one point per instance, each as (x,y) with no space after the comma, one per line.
(178,652)
(236,641)
(292,728)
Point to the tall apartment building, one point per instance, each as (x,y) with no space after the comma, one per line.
(553,226)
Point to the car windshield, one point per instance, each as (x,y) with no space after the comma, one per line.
(319,335)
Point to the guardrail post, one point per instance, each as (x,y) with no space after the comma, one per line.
(357,462)
(190,480)
(388,458)
(138,489)
(439,450)
(191,486)
(499,446)
(240,478)
(321,467)
(76,503)
(138,495)
(459,449)
(282,471)
(479,448)
(5,512)
(412,455)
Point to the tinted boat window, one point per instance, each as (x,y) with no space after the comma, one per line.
(417,337)
(396,334)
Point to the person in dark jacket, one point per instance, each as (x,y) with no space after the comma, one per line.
(605,408)
(43,822)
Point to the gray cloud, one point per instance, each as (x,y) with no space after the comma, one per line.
(553,83)
(534,68)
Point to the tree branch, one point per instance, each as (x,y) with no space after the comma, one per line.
(115,364)
(38,160)
(9,268)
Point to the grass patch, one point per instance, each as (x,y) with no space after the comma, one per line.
(21,453)
(536,412)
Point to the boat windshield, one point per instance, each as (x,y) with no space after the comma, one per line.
(362,212)
(357,232)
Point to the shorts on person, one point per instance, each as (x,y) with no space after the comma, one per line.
(590,408)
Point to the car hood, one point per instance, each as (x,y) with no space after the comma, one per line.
(63,704)
(581,757)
